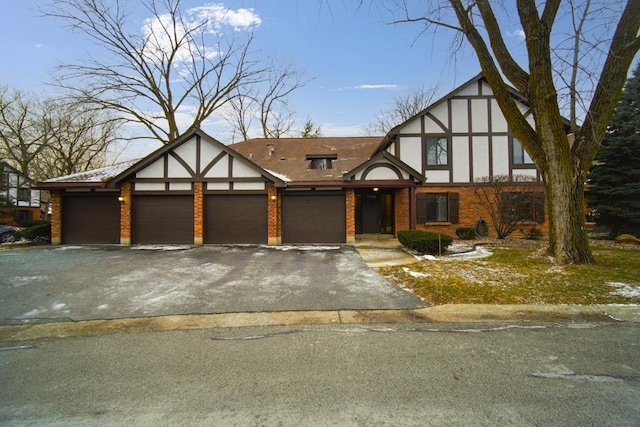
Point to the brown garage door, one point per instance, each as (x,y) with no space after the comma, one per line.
(314,218)
(90,218)
(162,219)
(236,218)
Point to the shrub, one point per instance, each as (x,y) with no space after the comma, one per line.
(424,242)
(37,233)
(466,233)
(533,234)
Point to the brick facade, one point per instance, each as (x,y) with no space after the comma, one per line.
(470,211)
(125,214)
(402,210)
(198,213)
(56,217)
(351,215)
(274,206)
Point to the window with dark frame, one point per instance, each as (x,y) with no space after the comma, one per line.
(520,155)
(321,161)
(437,207)
(24,194)
(437,151)
(523,207)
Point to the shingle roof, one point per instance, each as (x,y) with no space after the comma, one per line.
(100,175)
(287,157)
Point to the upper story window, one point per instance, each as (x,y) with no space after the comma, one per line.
(520,155)
(437,152)
(320,161)
(24,194)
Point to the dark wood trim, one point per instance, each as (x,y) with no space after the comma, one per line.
(235,192)
(162,193)
(182,162)
(438,122)
(381,165)
(212,163)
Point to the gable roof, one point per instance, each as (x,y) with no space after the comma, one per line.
(474,80)
(194,131)
(111,175)
(290,157)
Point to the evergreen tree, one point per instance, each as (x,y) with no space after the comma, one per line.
(615,175)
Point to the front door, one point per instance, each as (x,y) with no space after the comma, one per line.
(371,213)
(374,211)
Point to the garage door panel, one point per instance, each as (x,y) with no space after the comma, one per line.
(314,218)
(236,219)
(162,219)
(91,219)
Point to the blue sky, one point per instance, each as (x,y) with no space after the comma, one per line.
(358,61)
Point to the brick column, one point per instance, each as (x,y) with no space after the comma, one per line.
(125,214)
(402,206)
(351,215)
(274,207)
(56,217)
(198,213)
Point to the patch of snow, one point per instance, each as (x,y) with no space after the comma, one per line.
(415,273)
(66,248)
(478,252)
(161,247)
(96,175)
(58,306)
(103,306)
(625,290)
(303,248)
(279,175)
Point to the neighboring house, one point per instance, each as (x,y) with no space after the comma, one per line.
(295,190)
(19,200)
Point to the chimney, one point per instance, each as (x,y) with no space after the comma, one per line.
(270,148)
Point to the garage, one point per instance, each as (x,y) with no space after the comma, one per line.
(314,217)
(162,219)
(235,218)
(90,218)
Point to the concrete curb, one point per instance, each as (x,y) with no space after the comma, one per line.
(451,313)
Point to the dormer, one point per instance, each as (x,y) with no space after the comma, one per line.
(321,161)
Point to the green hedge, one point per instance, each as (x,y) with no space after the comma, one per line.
(37,233)
(466,233)
(424,242)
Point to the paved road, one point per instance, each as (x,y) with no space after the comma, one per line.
(568,374)
(44,284)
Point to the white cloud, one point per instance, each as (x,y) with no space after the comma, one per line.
(39,45)
(211,18)
(366,87)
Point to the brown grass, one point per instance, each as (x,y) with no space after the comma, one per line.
(521,275)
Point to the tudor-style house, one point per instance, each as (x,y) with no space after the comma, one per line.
(196,190)
(19,201)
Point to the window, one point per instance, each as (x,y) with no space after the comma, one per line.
(523,207)
(520,155)
(321,164)
(437,207)
(437,152)
(24,195)
(321,161)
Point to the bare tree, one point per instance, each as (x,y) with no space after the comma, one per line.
(79,140)
(267,102)
(178,62)
(563,161)
(510,203)
(24,129)
(47,138)
(402,108)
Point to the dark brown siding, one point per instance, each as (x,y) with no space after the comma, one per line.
(90,218)
(236,219)
(314,218)
(162,219)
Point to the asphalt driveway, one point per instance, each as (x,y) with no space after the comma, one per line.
(44,284)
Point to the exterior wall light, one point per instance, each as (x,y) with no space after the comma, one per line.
(121,199)
(375,188)
(273,197)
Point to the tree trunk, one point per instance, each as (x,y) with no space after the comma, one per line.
(568,241)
